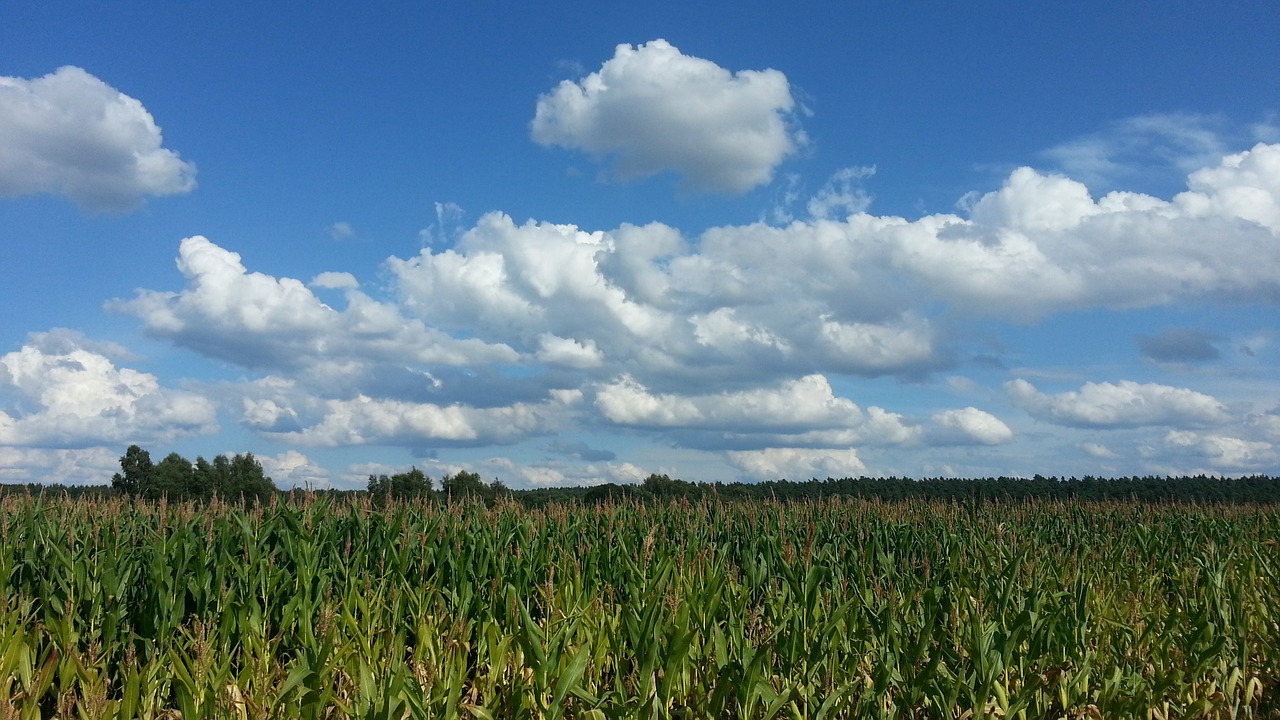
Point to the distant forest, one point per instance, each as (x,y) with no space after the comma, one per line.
(241,478)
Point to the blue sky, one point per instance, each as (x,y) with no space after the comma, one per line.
(577,244)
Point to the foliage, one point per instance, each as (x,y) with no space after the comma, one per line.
(462,485)
(400,486)
(176,478)
(312,607)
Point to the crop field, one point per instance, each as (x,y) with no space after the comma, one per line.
(321,608)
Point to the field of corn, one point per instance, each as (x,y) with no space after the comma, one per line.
(313,608)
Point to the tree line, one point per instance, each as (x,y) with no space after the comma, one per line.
(242,477)
(1256,489)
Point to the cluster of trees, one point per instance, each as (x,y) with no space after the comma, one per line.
(176,478)
(416,484)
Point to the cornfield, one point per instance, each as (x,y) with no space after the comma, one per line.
(318,608)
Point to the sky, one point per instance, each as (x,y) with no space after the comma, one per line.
(570,244)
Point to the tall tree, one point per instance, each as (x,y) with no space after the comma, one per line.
(247,480)
(463,484)
(137,470)
(173,478)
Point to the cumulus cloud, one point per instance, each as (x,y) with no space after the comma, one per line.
(804,403)
(71,134)
(801,412)
(968,426)
(553,475)
(1222,451)
(753,295)
(66,395)
(61,466)
(379,421)
(729,340)
(796,463)
(1122,404)
(259,321)
(292,469)
(652,108)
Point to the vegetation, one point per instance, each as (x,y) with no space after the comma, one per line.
(321,607)
(176,478)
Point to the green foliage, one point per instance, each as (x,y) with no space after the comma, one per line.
(463,485)
(401,486)
(176,478)
(137,472)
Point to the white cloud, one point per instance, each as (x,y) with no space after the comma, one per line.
(1244,185)
(292,469)
(256,320)
(1223,451)
(795,463)
(804,403)
(1100,451)
(71,134)
(801,412)
(652,109)
(556,350)
(515,474)
(373,421)
(1123,404)
(842,195)
(969,426)
(335,281)
(67,395)
(46,466)
(725,341)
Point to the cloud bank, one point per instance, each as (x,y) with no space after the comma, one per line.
(733,342)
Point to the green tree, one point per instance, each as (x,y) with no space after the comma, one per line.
(400,486)
(173,478)
(137,470)
(663,487)
(246,480)
(462,485)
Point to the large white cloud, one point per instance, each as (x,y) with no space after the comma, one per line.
(256,320)
(60,466)
(379,421)
(1122,404)
(69,395)
(292,469)
(1223,452)
(72,134)
(802,412)
(790,298)
(652,108)
(969,426)
(796,463)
